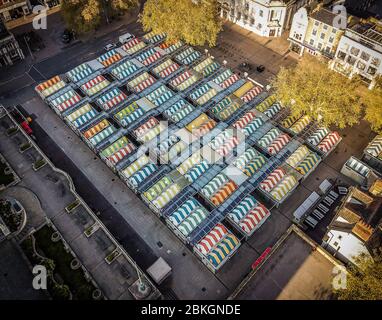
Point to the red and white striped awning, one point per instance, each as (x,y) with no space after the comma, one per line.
(121,153)
(68,103)
(181,78)
(244,120)
(228,146)
(140,131)
(91,83)
(253,218)
(272,180)
(329,141)
(230,81)
(251,94)
(154,57)
(211,239)
(169,70)
(278,143)
(144,84)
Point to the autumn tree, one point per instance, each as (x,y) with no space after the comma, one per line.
(86,15)
(311,88)
(372,101)
(196,22)
(363,282)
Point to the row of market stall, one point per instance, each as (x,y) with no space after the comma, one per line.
(214,171)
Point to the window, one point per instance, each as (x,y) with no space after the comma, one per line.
(319,46)
(238,16)
(354,51)
(372,71)
(351,60)
(322,36)
(328,49)
(331,39)
(297,36)
(261,13)
(375,61)
(314,32)
(259,26)
(311,42)
(335,244)
(361,65)
(247,6)
(365,56)
(334,30)
(325,27)
(316,23)
(341,55)
(252,21)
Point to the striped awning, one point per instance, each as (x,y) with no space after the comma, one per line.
(135,166)
(329,142)
(273,179)
(184,211)
(243,208)
(141,175)
(254,218)
(317,136)
(212,239)
(66,100)
(111,99)
(283,188)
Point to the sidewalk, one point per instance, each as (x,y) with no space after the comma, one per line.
(28,19)
(279,45)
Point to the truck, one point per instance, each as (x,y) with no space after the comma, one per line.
(125,37)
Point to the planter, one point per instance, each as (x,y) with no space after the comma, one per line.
(75,264)
(24,147)
(55,237)
(72,206)
(12,131)
(97,294)
(39,164)
(112,256)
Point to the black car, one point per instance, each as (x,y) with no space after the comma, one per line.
(67,36)
(260,68)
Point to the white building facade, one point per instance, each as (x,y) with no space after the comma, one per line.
(14,9)
(359,52)
(266,18)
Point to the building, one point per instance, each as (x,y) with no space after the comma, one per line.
(266,18)
(359,51)
(14,9)
(10,51)
(297,268)
(314,33)
(357,226)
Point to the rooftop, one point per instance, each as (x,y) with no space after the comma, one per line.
(297,269)
(324,16)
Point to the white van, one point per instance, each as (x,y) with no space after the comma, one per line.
(125,37)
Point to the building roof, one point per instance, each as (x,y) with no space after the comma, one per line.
(324,16)
(297,268)
(361,215)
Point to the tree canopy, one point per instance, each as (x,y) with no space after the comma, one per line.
(365,282)
(311,88)
(372,101)
(86,15)
(196,22)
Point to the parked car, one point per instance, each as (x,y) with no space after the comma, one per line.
(66,36)
(22,120)
(110,46)
(260,68)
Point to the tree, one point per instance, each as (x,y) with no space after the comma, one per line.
(365,282)
(196,22)
(311,88)
(86,15)
(372,101)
